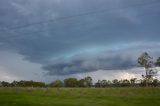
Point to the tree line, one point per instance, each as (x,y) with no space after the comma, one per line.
(22,84)
(145,60)
(82,83)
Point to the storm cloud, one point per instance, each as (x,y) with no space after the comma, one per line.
(77,36)
(89,64)
(105,60)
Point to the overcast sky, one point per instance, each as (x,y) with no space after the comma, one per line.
(44,40)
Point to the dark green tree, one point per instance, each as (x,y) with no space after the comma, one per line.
(133,81)
(88,81)
(71,82)
(5,84)
(81,83)
(56,83)
(115,82)
(155,82)
(124,83)
(98,84)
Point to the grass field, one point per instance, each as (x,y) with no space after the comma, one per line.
(80,97)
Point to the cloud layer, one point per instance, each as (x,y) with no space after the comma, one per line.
(88,63)
(77,36)
(122,59)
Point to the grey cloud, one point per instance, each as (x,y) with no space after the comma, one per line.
(42,43)
(82,64)
(123,59)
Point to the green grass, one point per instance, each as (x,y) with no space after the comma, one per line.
(80,97)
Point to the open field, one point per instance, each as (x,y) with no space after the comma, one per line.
(80,97)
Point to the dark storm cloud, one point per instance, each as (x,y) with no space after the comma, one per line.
(90,64)
(25,29)
(123,59)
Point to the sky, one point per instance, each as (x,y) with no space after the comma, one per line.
(44,40)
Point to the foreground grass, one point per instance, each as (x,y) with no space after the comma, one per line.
(80,97)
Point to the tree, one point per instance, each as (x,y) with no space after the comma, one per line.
(146,61)
(88,81)
(81,83)
(71,82)
(115,82)
(5,84)
(133,81)
(155,82)
(103,83)
(56,83)
(157,63)
(124,83)
(98,84)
